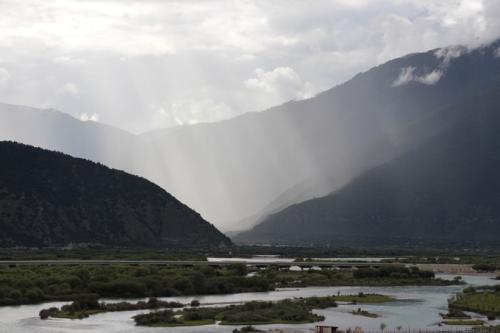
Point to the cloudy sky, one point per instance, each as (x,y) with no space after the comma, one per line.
(149,64)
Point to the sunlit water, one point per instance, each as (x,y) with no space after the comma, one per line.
(273,258)
(416,307)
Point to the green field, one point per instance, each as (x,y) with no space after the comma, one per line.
(484,300)
(464,322)
(364,298)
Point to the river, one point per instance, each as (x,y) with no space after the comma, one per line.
(416,307)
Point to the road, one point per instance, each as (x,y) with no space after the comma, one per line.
(305,264)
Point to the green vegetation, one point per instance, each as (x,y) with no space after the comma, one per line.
(485,267)
(86,306)
(32,284)
(364,313)
(169,318)
(408,254)
(484,300)
(398,255)
(100,254)
(466,322)
(66,200)
(385,276)
(363,298)
(289,311)
(453,257)
(246,329)
(455,314)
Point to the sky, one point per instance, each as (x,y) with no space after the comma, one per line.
(142,65)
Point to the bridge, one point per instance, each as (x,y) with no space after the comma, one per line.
(185,263)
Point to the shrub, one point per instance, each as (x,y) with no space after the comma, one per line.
(46,313)
(15,294)
(484,267)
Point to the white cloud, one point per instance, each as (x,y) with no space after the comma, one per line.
(445,56)
(497,53)
(284,82)
(68,60)
(189,112)
(405,76)
(430,78)
(70,89)
(4,77)
(87,117)
(129,54)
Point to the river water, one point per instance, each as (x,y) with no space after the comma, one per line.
(416,307)
(277,259)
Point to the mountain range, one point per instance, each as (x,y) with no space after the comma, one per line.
(248,170)
(444,191)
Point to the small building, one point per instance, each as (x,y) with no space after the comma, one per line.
(326,329)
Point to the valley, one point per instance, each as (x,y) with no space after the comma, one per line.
(250,166)
(350,289)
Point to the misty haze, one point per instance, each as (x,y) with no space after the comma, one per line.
(249,166)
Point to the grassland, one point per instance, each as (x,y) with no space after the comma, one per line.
(362,298)
(463,322)
(484,300)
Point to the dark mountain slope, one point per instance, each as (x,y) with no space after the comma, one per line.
(52,199)
(444,191)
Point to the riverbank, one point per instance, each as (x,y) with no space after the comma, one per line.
(417,307)
(483,299)
(35,284)
(88,306)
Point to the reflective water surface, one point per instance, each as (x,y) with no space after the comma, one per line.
(416,307)
(275,258)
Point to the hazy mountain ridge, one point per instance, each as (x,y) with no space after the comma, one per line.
(55,130)
(51,199)
(261,162)
(444,191)
(254,158)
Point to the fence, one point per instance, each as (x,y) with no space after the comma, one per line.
(435,330)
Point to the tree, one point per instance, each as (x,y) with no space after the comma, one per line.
(199,282)
(239,269)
